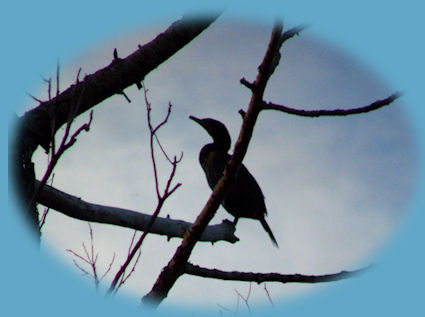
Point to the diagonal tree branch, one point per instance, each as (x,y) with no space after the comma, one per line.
(175,267)
(77,208)
(268,277)
(111,80)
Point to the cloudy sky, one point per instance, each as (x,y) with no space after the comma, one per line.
(335,188)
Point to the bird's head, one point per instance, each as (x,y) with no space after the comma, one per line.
(217,130)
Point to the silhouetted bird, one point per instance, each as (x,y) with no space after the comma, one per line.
(245,198)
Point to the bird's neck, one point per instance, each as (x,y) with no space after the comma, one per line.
(207,149)
(221,143)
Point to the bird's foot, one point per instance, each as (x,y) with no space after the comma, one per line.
(229,223)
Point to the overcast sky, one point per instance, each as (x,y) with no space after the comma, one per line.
(335,188)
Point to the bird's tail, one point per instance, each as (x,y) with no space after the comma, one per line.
(269,231)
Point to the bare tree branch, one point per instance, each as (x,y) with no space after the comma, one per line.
(77,208)
(268,295)
(91,260)
(113,79)
(336,112)
(124,277)
(268,277)
(292,32)
(67,140)
(46,209)
(161,198)
(245,298)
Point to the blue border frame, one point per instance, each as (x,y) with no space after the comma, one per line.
(387,35)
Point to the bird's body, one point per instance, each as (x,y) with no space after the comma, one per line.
(245,198)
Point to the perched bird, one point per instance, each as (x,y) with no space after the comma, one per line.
(245,198)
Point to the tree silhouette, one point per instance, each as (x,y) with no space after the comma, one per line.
(38,127)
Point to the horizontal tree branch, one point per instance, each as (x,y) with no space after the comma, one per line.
(336,112)
(79,209)
(268,277)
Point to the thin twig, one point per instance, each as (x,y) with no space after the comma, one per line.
(292,32)
(35,98)
(43,217)
(124,278)
(268,295)
(77,78)
(245,299)
(90,259)
(49,87)
(65,144)
(47,209)
(165,153)
(133,237)
(81,269)
(120,276)
(78,256)
(151,130)
(109,268)
(57,79)
(234,312)
(247,84)
(164,121)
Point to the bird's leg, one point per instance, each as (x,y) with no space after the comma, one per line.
(235,221)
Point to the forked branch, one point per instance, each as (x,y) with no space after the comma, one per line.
(90,258)
(119,278)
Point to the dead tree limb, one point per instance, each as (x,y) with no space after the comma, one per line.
(268,277)
(111,80)
(77,208)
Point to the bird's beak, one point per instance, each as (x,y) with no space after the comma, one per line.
(199,121)
(194,118)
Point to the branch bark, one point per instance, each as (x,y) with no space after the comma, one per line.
(268,277)
(79,209)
